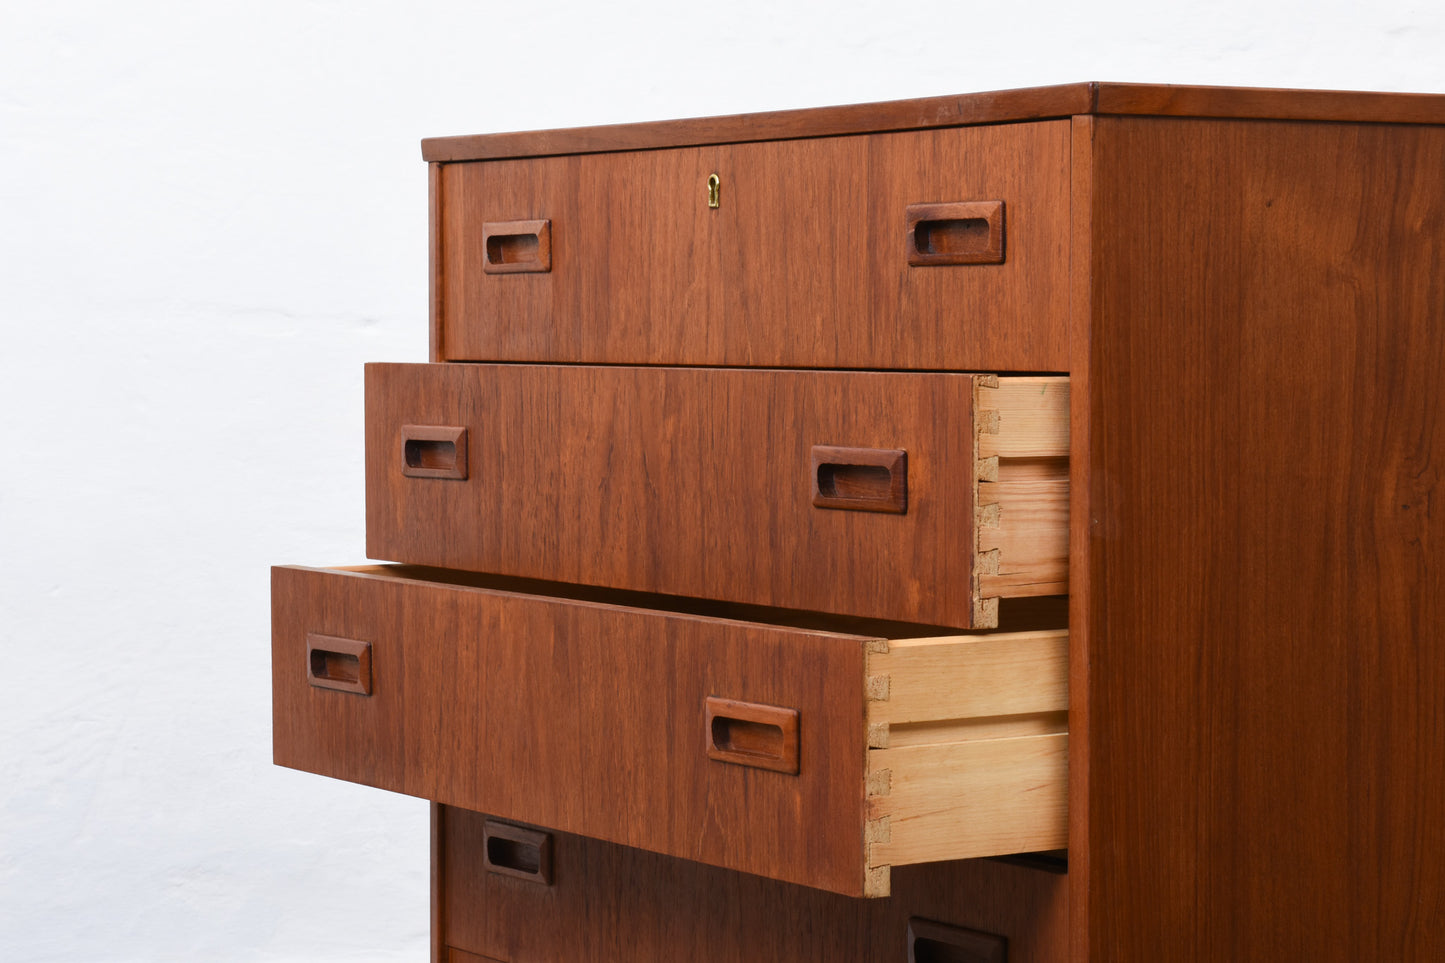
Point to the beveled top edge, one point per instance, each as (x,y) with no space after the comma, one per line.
(991,107)
(1031,103)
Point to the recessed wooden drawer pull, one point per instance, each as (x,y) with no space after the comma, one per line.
(517,851)
(517,247)
(967,232)
(433,451)
(333,663)
(749,734)
(930,942)
(860,479)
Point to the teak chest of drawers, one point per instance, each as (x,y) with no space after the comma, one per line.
(997,527)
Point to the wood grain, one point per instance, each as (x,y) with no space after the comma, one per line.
(1257,103)
(978,797)
(582,717)
(436,880)
(1001,674)
(693,482)
(612,904)
(1081,435)
(1022,490)
(803,264)
(991,107)
(436,351)
(968,748)
(340,734)
(455,955)
(1023,530)
(1266,599)
(602,720)
(1023,417)
(949,111)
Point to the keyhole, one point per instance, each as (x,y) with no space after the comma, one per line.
(714,190)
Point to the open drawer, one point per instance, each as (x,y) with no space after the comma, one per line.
(919,497)
(796,752)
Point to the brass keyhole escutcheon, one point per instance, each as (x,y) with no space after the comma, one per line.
(714,191)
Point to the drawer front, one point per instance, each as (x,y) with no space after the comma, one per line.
(926,249)
(848,492)
(584,717)
(809,756)
(612,904)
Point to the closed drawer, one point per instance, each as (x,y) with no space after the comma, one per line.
(611,904)
(916,497)
(820,253)
(806,755)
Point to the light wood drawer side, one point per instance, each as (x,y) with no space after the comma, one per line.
(968,749)
(1021,492)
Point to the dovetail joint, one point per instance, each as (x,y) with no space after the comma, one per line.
(876,689)
(988,422)
(985,613)
(989,516)
(877,880)
(877,735)
(880,782)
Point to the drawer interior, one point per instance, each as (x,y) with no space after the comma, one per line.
(1021,433)
(1021,614)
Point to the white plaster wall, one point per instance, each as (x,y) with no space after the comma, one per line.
(210,215)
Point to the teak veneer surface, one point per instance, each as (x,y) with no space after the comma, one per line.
(581,717)
(590,718)
(454,955)
(991,107)
(684,481)
(612,904)
(1266,599)
(804,263)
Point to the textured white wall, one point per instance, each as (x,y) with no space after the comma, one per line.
(210,215)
